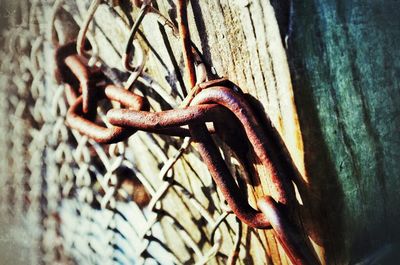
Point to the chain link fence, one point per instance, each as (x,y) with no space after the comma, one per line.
(141,201)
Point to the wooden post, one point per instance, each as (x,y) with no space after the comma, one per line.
(343,57)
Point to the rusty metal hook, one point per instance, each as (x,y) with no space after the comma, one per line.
(261,145)
(203,108)
(271,215)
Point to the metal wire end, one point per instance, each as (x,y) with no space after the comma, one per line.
(80,43)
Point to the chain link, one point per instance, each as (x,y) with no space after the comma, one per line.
(98,196)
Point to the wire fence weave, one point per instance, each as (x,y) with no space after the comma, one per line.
(90,203)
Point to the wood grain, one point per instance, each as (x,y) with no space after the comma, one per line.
(346,79)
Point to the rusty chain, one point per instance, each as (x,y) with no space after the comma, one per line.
(92,162)
(204,107)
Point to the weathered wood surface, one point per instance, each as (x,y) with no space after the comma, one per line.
(344,59)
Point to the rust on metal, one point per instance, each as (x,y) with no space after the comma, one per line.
(144,120)
(217,101)
(256,135)
(76,119)
(272,215)
(184,34)
(224,180)
(74,72)
(294,243)
(206,103)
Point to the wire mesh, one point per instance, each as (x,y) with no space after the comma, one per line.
(142,201)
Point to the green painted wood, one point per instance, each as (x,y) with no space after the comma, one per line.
(344,58)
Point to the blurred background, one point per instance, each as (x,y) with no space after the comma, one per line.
(16,242)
